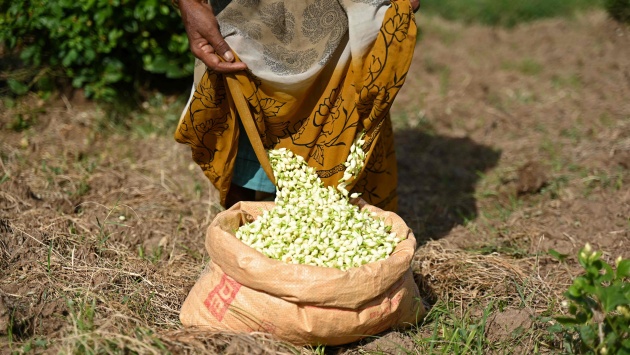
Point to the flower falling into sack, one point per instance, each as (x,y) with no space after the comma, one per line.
(316,225)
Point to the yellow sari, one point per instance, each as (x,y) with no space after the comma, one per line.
(314,102)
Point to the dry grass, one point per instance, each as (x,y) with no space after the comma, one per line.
(102,228)
(467,277)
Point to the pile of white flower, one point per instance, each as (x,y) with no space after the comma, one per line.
(316,225)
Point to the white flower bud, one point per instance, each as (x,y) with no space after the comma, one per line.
(587,248)
(315,224)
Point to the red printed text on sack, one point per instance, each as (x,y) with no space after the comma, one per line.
(220,298)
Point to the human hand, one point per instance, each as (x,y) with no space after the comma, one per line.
(205,39)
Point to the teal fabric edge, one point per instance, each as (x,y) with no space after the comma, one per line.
(248,172)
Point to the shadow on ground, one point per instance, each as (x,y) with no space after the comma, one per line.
(437,176)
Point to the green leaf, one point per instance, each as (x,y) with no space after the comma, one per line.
(595,256)
(611,296)
(556,255)
(29,53)
(574,291)
(588,334)
(584,317)
(70,58)
(17,87)
(623,269)
(592,271)
(608,274)
(567,320)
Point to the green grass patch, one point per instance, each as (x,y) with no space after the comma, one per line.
(526,66)
(505,12)
(451,333)
(569,81)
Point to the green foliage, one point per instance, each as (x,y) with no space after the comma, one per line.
(505,12)
(619,10)
(99,45)
(599,307)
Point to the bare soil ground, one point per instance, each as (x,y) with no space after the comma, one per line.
(511,142)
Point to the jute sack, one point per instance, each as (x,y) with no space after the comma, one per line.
(243,290)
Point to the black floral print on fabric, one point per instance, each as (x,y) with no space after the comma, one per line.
(235,22)
(325,20)
(287,62)
(280,21)
(199,130)
(357,99)
(371,2)
(247,3)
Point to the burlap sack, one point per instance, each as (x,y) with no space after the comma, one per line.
(243,290)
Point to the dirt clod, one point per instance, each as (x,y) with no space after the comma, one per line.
(622,158)
(502,326)
(390,343)
(531,178)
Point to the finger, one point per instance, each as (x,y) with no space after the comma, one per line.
(230,67)
(214,62)
(206,48)
(201,49)
(223,48)
(216,40)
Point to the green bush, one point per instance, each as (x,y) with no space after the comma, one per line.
(102,46)
(619,10)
